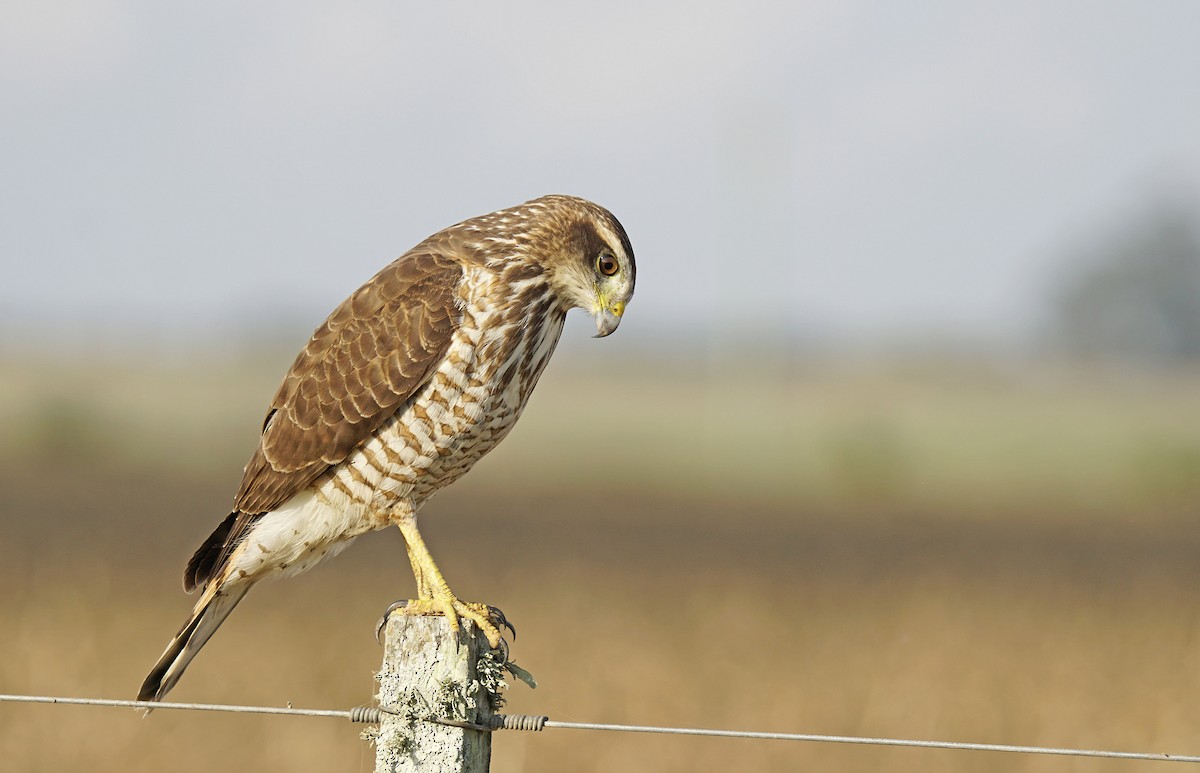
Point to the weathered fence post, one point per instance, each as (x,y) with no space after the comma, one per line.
(430,671)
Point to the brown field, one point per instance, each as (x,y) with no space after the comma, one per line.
(975,556)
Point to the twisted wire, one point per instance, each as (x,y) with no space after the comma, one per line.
(528,722)
(367,715)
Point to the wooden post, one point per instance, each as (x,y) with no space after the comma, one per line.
(430,671)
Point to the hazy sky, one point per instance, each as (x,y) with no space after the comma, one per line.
(849,167)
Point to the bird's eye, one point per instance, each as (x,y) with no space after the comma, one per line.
(606,264)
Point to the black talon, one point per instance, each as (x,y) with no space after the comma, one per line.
(503,648)
(500,621)
(386,614)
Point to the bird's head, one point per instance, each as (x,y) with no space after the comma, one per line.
(590,260)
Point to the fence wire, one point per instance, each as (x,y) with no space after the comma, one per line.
(510,721)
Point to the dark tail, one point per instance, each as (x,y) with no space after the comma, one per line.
(206,562)
(211,610)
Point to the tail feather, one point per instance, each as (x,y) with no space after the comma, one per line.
(205,563)
(210,611)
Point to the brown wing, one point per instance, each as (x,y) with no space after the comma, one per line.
(374,352)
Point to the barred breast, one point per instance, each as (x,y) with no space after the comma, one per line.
(473,399)
(469,405)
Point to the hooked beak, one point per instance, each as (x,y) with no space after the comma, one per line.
(608,318)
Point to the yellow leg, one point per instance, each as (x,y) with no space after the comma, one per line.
(434,596)
(423,589)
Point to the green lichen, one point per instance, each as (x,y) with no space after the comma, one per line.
(489,671)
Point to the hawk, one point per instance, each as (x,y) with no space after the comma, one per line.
(407,384)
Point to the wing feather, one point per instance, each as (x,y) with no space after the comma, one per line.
(373,353)
(337,392)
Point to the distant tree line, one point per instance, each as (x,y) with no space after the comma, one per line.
(1136,295)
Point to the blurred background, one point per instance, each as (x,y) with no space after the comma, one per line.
(900,436)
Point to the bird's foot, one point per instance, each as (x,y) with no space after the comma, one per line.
(489,619)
